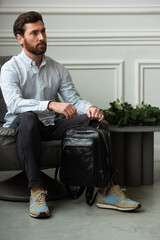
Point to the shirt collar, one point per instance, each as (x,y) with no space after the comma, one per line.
(30,62)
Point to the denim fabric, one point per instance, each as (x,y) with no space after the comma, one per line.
(30,133)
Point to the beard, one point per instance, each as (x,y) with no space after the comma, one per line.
(39,49)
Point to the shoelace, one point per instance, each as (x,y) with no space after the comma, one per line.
(40,198)
(122,190)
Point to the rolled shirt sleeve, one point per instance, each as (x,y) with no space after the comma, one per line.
(69,93)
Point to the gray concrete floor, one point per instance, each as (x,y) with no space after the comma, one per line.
(76,220)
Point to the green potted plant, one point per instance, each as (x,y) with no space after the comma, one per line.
(124,114)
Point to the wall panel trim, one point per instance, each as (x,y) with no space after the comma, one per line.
(117,65)
(140,66)
(91,38)
(87,10)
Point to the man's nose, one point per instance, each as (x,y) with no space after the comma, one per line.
(41,36)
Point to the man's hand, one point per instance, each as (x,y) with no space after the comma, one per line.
(65,108)
(95,114)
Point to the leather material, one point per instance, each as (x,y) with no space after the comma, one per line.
(10,132)
(4,59)
(3,109)
(85,158)
(9,159)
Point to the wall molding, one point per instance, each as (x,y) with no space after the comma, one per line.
(157,152)
(140,66)
(81,9)
(91,38)
(117,65)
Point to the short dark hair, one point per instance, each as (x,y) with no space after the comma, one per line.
(29,17)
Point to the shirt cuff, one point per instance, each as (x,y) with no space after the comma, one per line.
(87,107)
(43,105)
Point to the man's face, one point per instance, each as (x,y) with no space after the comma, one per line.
(34,40)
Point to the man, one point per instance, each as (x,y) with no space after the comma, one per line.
(30,82)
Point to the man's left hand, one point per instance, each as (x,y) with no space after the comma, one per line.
(95,114)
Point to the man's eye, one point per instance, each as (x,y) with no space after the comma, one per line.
(34,33)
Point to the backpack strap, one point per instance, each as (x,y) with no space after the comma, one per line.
(56,172)
(75,194)
(90,196)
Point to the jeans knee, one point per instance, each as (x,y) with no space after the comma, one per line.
(28,120)
(28,116)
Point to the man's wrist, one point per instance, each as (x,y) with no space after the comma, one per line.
(49,106)
(93,106)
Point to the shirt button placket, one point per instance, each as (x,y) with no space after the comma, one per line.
(41,87)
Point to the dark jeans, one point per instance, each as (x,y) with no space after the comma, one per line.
(30,133)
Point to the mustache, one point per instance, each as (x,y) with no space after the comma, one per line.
(43,42)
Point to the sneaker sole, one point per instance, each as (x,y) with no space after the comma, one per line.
(101,205)
(40,215)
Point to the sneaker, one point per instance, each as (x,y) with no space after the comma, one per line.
(38,207)
(116,199)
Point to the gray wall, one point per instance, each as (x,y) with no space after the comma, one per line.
(111,48)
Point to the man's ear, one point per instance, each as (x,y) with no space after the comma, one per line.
(20,39)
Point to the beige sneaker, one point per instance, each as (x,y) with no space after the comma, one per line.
(38,207)
(116,199)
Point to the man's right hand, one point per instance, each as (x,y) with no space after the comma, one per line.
(65,108)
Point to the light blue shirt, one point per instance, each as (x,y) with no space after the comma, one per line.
(27,88)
